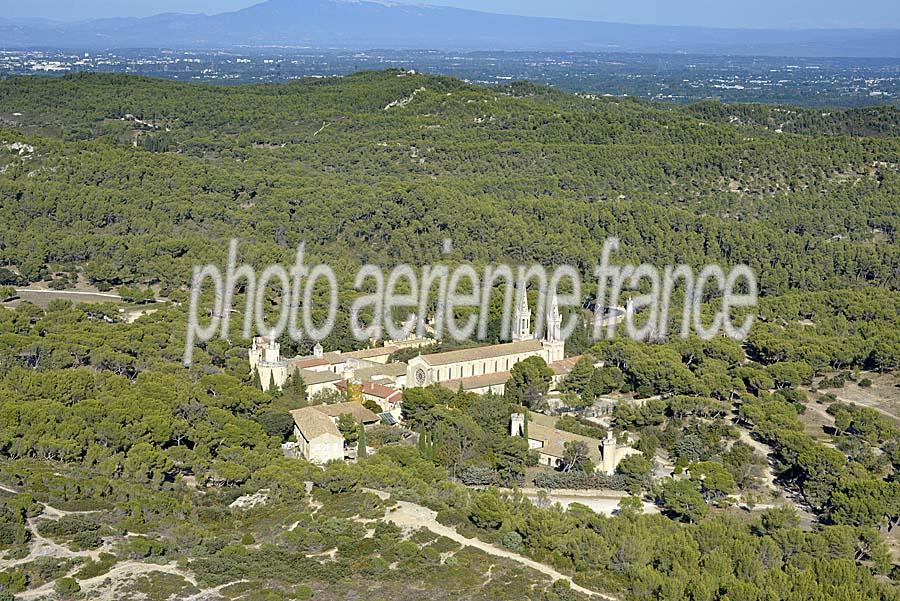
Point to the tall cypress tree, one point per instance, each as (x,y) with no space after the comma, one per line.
(361,443)
(424,447)
(299,387)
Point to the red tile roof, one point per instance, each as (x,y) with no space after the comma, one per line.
(307,362)
(379,390)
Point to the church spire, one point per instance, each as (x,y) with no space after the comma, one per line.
(554,321)
(522,319)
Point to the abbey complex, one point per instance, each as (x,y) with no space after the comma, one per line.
(371,375)
(479,370)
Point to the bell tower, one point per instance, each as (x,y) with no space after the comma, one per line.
(553,342)
(522,320)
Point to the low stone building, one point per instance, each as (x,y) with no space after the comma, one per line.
(550,443)
(318,439)
(317,381)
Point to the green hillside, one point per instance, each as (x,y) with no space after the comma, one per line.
(127,464)
(520,173)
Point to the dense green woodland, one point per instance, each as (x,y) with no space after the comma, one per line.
(125,181)
(520,173)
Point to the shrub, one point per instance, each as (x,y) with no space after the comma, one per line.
(479,476)
(66,586)
(141,547)
(580,480)
(451,517)
(93,568)
(513,541)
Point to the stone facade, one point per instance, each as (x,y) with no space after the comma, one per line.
(473,367)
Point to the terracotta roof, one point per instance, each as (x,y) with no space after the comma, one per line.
(564,366)
(476,382)
(352,407)
(379,390)
(307,362)
(313,424)
(483,352)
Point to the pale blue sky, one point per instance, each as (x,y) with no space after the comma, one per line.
(714,13)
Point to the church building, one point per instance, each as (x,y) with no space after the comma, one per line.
(471,367)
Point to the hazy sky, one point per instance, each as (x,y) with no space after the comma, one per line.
(715,13)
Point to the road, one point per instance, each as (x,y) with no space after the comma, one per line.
(601,501)
(43,297)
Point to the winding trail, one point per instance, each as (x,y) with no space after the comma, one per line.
(102,585)
(411,516)
(406,515)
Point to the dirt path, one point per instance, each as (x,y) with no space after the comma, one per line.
(205,594)
(41,546)
(600,501)
(411,516)
(765,451)
(103,587)
(11,491)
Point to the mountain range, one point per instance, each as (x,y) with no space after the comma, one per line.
(365,24)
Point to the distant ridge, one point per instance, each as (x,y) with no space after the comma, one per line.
(366,25)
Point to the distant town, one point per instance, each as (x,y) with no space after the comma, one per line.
(676,78)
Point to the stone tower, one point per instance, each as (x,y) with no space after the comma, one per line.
(264,351)
(265,359)
(609,454)
(517,424)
